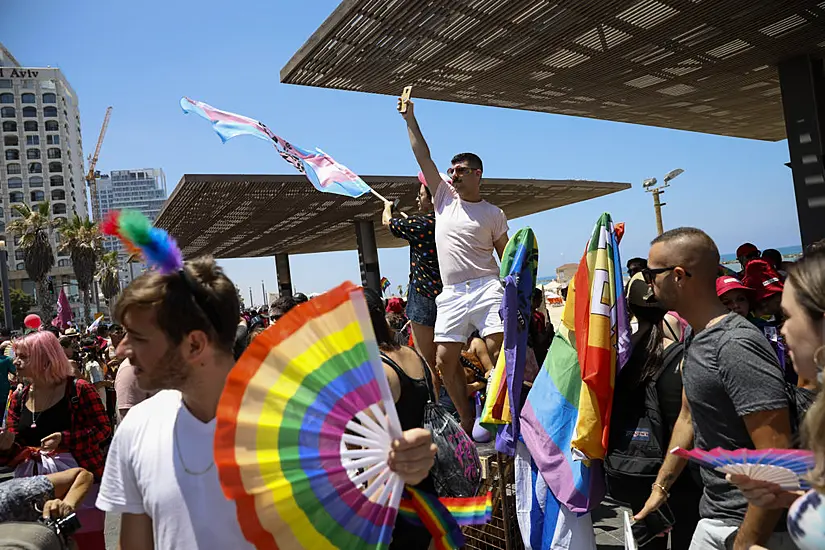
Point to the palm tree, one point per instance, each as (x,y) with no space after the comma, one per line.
(108,273)
(82,240)
(34,227)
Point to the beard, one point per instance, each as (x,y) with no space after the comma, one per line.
(170,373)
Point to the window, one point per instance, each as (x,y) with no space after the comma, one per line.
(16,196)
(32,140)
(55,167)
(58,209)
(35,181)
(52,126)
(63,253)
(6,98)
(13,169)
(49,98)
(64,263)
(28,98)
(7,112)
(50,111)
(21,266)
(37,196)
(29,112)
(18,255)
(5,83)
(32,154)
(52,140)
(9,126)
(56,181)
(58,195)
(53,153)
(15,183)
(30,126)
(35,168)
(12,154)
(11,141)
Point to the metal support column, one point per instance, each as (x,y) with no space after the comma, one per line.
(802,82)
(283,274)
(368,255)
(4,275)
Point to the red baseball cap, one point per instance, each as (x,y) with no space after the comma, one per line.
(747,249)
(727,283)
(763,279)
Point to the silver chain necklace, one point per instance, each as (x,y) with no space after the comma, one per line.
(180,455)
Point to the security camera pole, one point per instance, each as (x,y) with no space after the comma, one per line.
(650,186)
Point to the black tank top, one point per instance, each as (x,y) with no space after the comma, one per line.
(415,394)
(32,428)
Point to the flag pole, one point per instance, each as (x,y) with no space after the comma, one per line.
(374,192)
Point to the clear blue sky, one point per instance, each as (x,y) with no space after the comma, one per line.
(141,57)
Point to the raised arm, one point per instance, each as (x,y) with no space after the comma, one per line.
(420,148)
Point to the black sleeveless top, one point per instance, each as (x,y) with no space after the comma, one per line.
(32,428)
(415,394)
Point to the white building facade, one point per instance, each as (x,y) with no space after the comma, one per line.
(143,190)
(41,158)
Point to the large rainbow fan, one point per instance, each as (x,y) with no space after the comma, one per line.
(304,429)
(784,467)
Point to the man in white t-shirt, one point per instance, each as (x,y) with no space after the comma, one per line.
(160,472)
(467,231)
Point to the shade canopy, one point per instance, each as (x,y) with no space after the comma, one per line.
(701,65)
(243,216)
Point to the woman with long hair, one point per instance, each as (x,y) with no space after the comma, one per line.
(56,414)
(803,305)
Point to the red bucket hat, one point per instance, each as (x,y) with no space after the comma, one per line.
(747,249)
(763,279)
(727,283)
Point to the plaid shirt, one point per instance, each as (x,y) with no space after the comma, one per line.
(90,426)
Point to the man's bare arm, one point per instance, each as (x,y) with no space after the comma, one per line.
(136,532)
(768,430)
(673,465)
(500,245)
(420,149)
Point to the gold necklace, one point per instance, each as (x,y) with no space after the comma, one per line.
(180,455)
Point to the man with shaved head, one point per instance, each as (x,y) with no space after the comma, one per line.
(733,394)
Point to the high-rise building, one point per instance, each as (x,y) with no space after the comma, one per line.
(143,190)
(41,157)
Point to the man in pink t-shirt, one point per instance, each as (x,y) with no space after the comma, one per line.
(467,231)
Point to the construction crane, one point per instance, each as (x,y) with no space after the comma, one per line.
(91,176)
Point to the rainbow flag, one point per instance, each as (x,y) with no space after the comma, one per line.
(465,510)
(564,422)
(385,284)
(325,174)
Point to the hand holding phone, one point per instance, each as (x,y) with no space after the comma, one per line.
(657,523)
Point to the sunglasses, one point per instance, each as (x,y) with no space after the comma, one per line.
(459,170)
(650,274)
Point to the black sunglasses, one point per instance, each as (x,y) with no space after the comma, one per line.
(650,274)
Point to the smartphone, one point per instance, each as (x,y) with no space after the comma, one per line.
(655,524)
(405,97)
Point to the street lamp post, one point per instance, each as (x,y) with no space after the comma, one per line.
(650,186)
(4,277)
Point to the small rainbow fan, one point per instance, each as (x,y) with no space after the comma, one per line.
(304,429)
(784,467)
(136,233)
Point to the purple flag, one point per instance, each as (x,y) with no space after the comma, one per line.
(64,311)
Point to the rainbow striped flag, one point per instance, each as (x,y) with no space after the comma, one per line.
(565,421)
(325,174)
(385,284)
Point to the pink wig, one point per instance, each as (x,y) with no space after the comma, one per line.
(45,356)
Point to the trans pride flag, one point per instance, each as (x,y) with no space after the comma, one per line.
(565,421)
(325,174)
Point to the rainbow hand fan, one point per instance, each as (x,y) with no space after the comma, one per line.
(784,467)
(304,429)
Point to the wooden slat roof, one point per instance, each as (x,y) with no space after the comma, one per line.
(243,216)
(701,65)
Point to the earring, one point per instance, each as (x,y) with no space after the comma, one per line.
(819,357)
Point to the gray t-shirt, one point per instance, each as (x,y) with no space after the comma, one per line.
(730,371)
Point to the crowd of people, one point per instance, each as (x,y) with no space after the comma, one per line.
(122,419)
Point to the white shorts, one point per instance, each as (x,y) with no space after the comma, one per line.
(468,306)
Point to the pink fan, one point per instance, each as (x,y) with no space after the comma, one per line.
(784,467)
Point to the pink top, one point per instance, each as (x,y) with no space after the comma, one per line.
(126,387)
(464,236)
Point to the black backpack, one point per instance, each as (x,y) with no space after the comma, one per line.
(638,434)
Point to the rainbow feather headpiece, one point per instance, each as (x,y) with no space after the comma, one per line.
(135,231)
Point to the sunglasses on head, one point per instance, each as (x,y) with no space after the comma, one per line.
(650,274)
